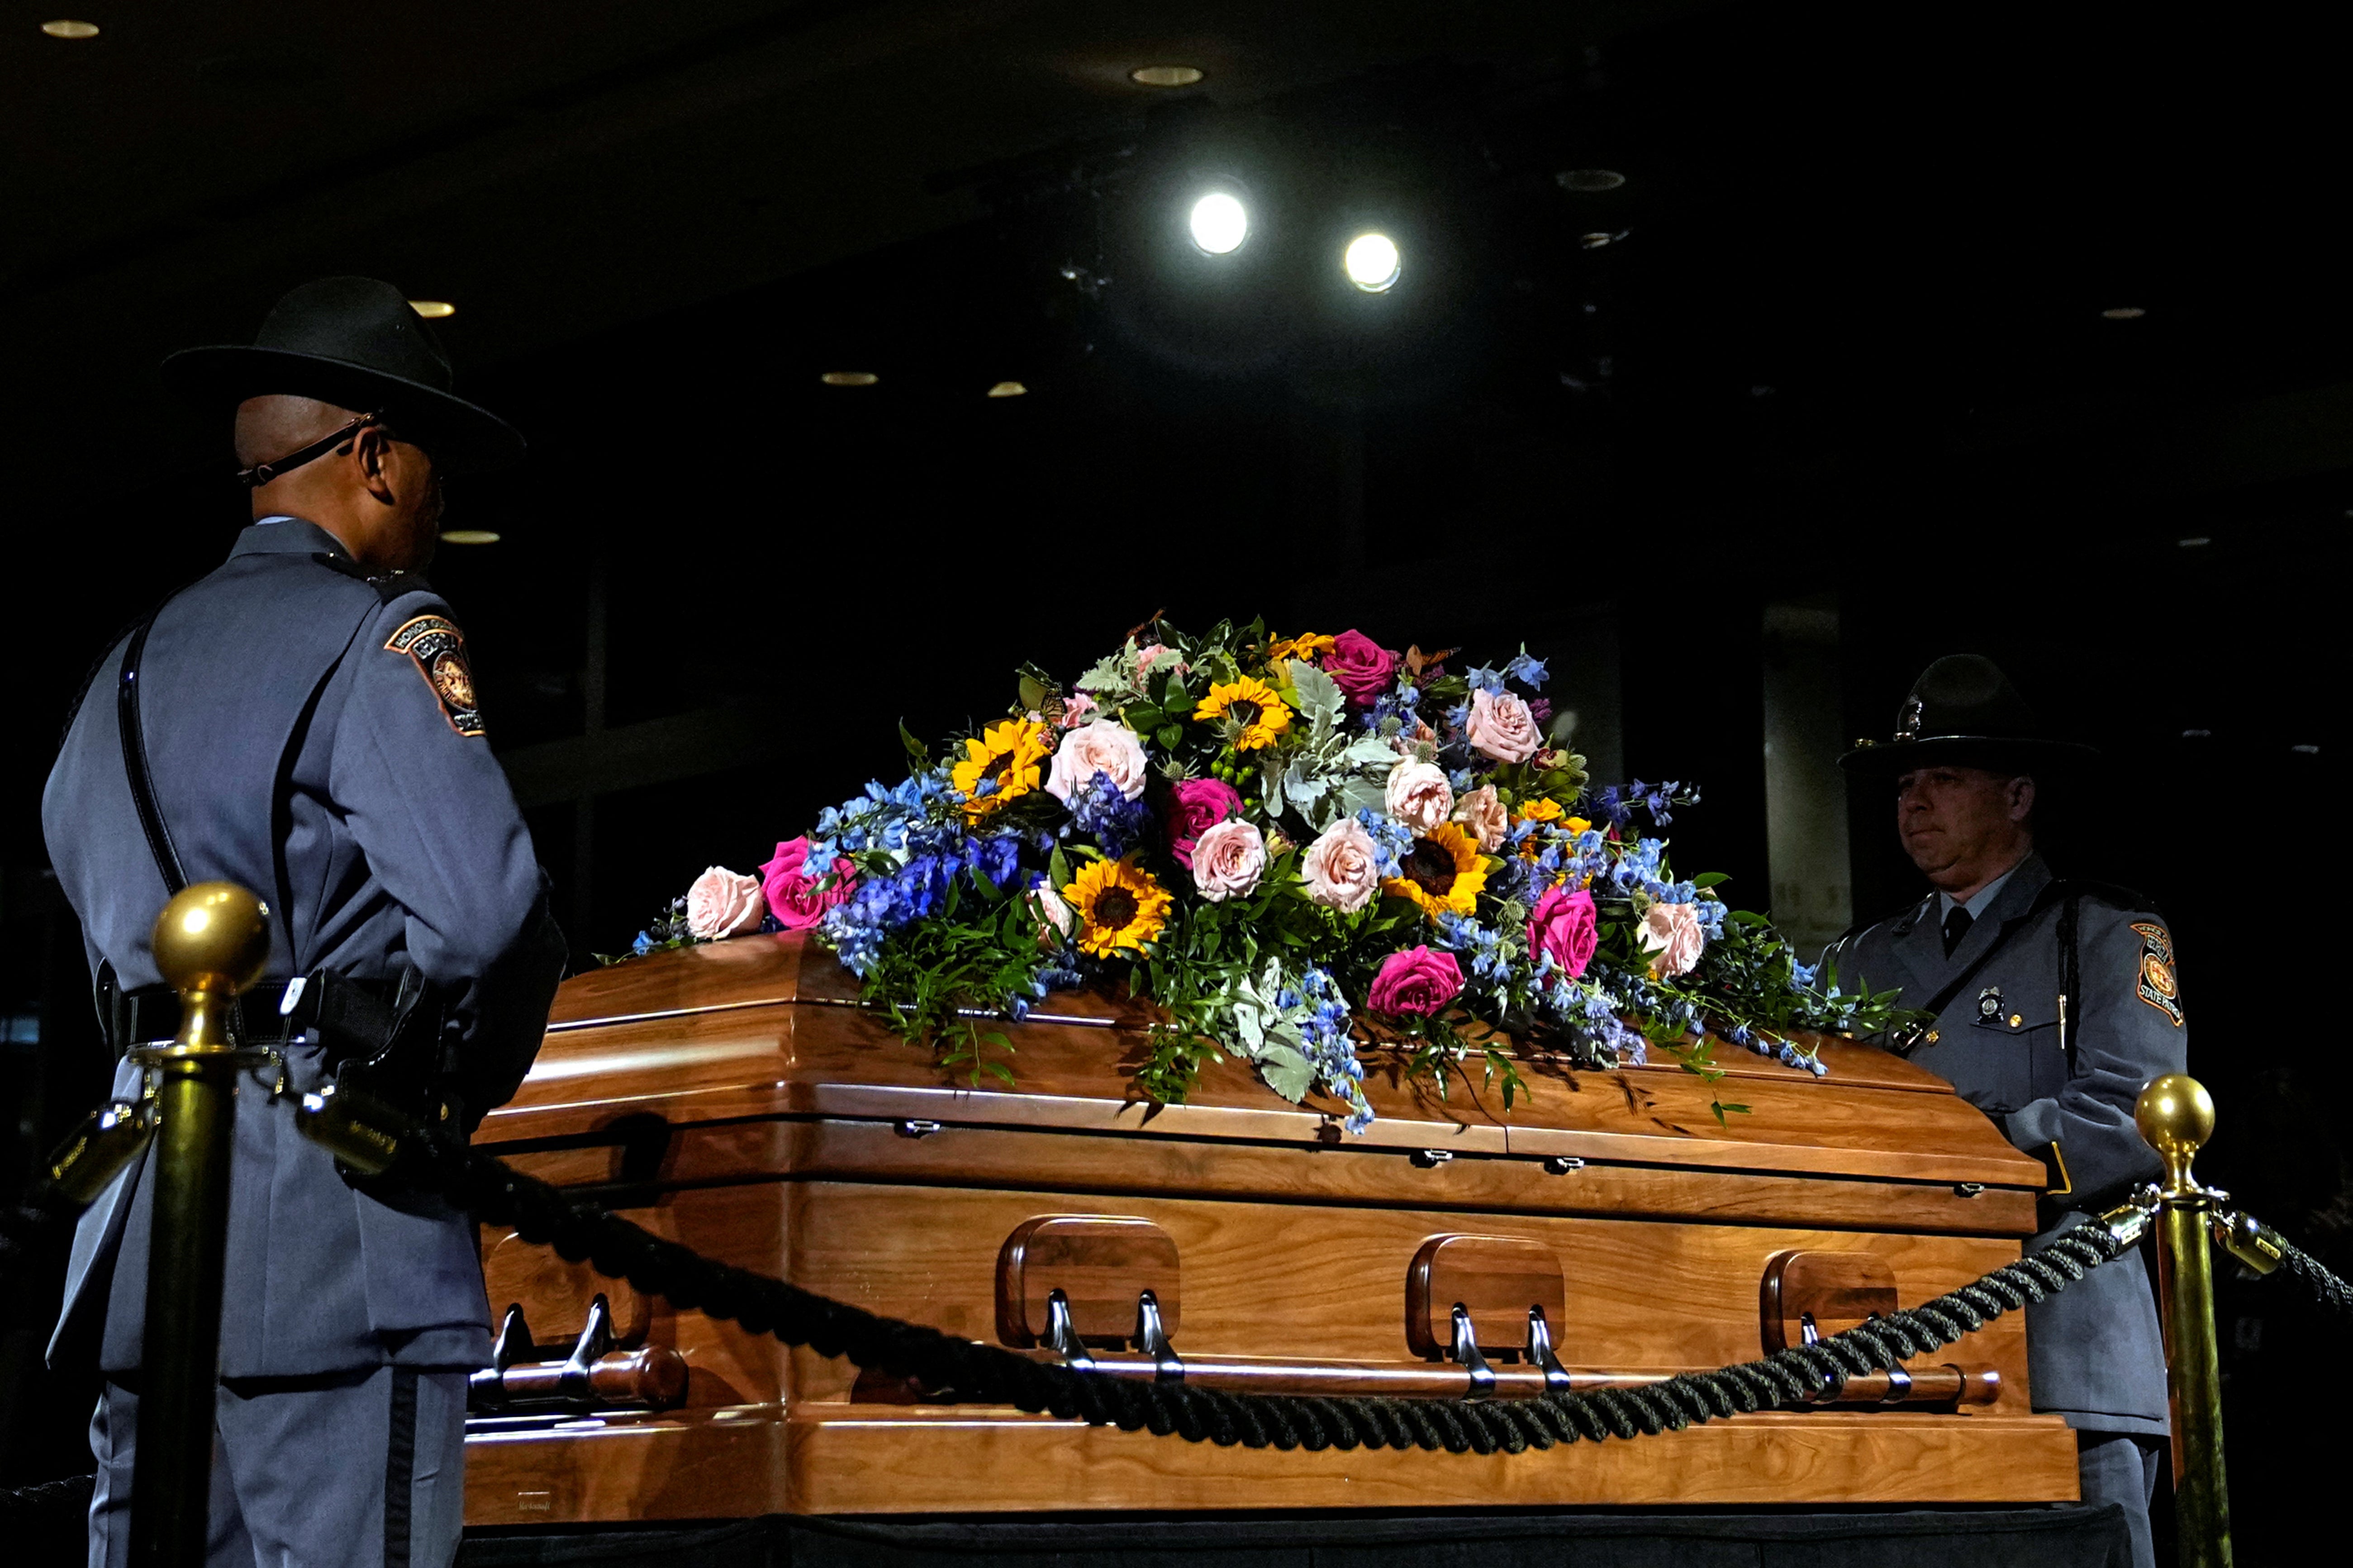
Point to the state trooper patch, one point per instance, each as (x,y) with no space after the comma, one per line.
(2158,988)
(438,650)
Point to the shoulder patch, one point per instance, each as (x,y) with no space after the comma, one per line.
(437,649)
(2156,984)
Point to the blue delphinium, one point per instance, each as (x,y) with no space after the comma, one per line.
(1529,672)
(1460,933)
(1392,840)
(1115,822)
(1483,678)
(1322,1013)
(879,819)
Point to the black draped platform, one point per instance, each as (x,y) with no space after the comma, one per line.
(2075,1536)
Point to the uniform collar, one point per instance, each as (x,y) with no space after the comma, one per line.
(1977,901)
(284,535)
(1921,944)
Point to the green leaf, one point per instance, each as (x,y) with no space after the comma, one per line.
(1033,693)
(1169,736)
(1058,869)
(1288,1072)
(1709,878)
(917,752)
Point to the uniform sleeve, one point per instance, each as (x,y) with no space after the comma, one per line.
(2128,1028)
(430,807)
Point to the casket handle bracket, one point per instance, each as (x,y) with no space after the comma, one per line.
(1541,1356)
(1062,1335)
(1466,1352)
(1152,1340)
(915,1127)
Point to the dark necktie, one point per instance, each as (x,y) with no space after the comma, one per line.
(1957,921)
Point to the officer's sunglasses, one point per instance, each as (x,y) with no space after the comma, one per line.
(340,442)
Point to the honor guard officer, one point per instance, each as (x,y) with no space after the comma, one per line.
(2052,1002)
(303,722)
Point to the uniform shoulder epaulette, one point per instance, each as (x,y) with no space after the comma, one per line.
(388,585)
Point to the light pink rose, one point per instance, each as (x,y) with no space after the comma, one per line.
(723,903)
(1565,925)
(1342,867)
(1193,806)
(1419,796)
(1502,726)
(1484,816)
(792,893)
(1103,746)
(1054,916)
(1077,709)
(1228,860)
(1670,935)
(1416,981)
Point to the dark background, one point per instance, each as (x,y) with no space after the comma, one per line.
(1840,340)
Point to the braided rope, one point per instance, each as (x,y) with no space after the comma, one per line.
(586,1232)
(2333,1291)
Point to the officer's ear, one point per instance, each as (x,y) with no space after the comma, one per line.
(373,454)
(2019,797)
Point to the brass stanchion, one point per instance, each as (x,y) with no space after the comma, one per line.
(211,942)
(2176,1115)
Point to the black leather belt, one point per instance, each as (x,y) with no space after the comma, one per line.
(355,1016)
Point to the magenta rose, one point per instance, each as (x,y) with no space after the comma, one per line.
(1360,667)
(1416,981)
(1565,926)
(793,894)
(1194,807)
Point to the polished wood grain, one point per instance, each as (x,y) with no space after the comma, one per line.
(1833,1290)
(1496,1279)
(1101,1264)
(1346,1174)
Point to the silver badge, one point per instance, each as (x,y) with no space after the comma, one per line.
(1989,1002)
(1907,725)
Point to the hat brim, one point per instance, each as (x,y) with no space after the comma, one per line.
(1992,751)
(461,437)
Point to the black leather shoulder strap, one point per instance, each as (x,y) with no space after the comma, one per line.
(134,762)
(389,587)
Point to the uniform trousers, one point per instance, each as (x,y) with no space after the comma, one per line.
(357,1470)
(2120,1467)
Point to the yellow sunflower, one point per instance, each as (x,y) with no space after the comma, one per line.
(1119,907)
(1443,871)
(1009,753)
(1254,704)
(1540,809)
(1306,645)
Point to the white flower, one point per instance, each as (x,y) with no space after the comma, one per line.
(1228,860)
(1672,936)
(1420,796)
(723,903)
(1342,867)
(1100,746)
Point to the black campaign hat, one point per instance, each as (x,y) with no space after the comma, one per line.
(1964,712)
(357,343)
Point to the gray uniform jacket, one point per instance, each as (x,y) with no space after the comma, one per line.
(314,737)
(2095,1353)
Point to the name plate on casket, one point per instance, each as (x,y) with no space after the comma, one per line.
(734,1097)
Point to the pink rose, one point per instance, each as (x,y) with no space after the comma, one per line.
(1077,709)
(1416,981)
(1485,817)
(1360,667)
(721,903)
(1565,926)
(1228,860)
(792,892)
(1103,746)
(1502,726)
(1419,796)
(1342,868)
(1054,917)
(1670,935)
(1194,807)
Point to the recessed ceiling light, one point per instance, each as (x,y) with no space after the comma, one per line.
(469,536)
(71,29)
(849,378)
(1166,76)
(2196,543)
(1595,241)
(1220,223)
(433,309)
(2123,313)
(1589,180)
(1371,262)
(1008,389)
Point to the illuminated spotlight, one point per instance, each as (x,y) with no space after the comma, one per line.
(1008,389)
(1588,182)
(469,536)
(71,29)
(1220,223)
(849,378)
(433,309)
(2124,313)
(1165,76)
(1372,262)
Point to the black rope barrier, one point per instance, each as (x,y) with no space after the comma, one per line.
(582,1231)
(2331,1291)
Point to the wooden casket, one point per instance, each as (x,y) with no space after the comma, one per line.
(734,1097)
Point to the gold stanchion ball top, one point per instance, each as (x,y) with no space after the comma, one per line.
(214,936)
(2176,1115)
